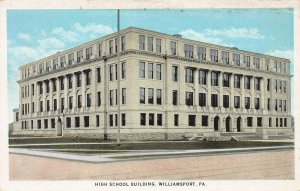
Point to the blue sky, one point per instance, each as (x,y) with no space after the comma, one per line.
(33,34)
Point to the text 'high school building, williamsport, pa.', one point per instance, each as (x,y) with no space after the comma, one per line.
(169,87)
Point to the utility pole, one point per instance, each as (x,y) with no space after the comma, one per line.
(118,81)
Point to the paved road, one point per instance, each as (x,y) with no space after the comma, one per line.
(253,165)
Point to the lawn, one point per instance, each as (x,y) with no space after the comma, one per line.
(182,145)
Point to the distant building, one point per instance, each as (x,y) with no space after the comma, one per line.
(170,86)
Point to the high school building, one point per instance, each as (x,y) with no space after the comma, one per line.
(169,87)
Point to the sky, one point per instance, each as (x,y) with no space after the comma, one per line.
(34,34)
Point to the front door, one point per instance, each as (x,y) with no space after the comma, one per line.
(59,127)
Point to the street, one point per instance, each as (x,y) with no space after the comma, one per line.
(249,165)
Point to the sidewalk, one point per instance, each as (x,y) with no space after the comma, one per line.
(135,154)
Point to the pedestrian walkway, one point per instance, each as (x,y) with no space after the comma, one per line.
(132,154)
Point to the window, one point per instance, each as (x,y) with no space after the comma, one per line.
(284,86)
(201,53)
(79,56)
(98,99)
(142,70)
(202,99)
(256,83)
(52,123)
(158,96)
(279,67)
(174,97)
(284,105)
(192,120)
(236,101)
(68,122)
(159,119)
(280,86)
(123,43)
(158,45)
(62,60)
(256,63)
(97,120)
(280,105)
(225,80)
(213,55)
(176,119)
(54,104)
(32,108)
(123,119)
(189,75)
(142,42)
(32,89)
(70,82)
(100,50)
(276,122)
(188,51)
(88,100)
(249,121)
(247,82)
(116,119)
(39,124)
(47,67)
(111,120)
(123,70)
(281,124)
(78,80)
(79,102)
(117,100)
(55,63)
(46,123)
(123,95)
(150,70)
(151,119)
(88,78)
(237,81)
(247,102)
(48,105)
(41,107)
(111,46)
(268,84)
(150,95)
(40,87)
(150,43)
(98,75)
(202,77)
(47,87)
(247,61)
(116,44)
(285,122)
(275,85)
(270,122)
(284,68)
(276,104)
(77,121)
(143,118)
(111,73)
(158,71)
(62,104)
(267,65)
(111,97)
(89,53)
(256,102)
(226,101)
(214,100)
(275,66)
(116,71)
(173,47)
(205,120)
(259,121)
(142,95)
(189,99)
(70,102)
(268,104)
(86,121)
(225,57)
(236,59)
(214,79)
(175,73)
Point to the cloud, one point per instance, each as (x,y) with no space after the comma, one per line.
(24,36)
(232,32)
(94,30)
(52,43)
(203,37)
(288,54)
(65,35)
